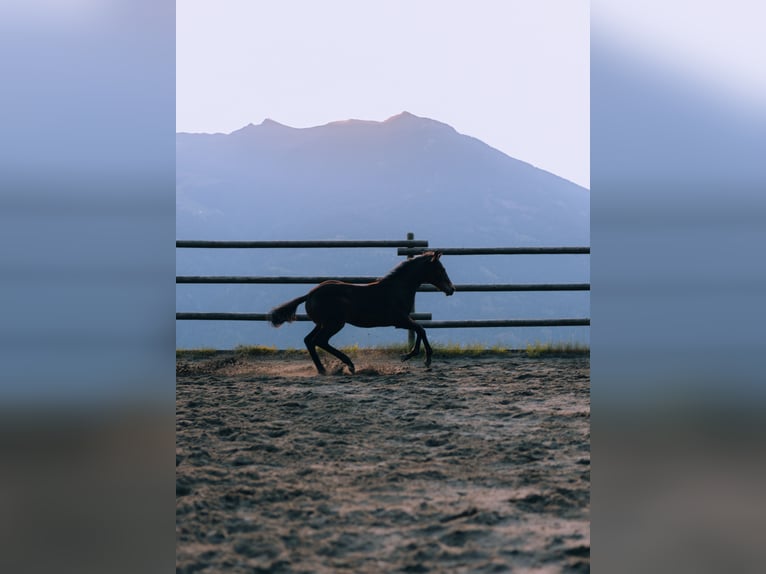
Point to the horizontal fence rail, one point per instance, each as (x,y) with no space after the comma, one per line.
(273,280)
(469,288)
(259,317)
(506,323)
(402,243)
(497,250)
(463,288)
(408,248)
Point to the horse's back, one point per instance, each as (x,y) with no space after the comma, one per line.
(360,305)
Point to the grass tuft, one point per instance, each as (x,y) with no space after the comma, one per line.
(542,349)
(264,351)
(468,350)
(254,350)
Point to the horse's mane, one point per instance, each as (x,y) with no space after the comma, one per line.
(406,267)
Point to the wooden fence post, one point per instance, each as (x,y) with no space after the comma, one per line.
(410,334)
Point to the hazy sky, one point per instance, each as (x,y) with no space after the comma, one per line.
(514,74)
(718,47)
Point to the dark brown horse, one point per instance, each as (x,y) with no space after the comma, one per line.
(383,303)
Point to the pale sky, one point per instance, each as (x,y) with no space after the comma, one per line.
(717,46)
(514,74)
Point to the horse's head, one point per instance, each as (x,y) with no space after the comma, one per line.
(435,274)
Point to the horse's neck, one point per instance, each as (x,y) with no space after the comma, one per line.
(399,292)
(405,281)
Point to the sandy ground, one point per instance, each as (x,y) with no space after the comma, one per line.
(480,464)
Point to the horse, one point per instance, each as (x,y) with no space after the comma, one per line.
(386,302)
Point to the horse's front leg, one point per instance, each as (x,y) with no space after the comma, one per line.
(429,351)
(420,334)
(415,348)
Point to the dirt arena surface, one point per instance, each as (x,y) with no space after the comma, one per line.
(480,464)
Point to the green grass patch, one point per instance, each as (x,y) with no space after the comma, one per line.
(468,350)
(255,350)
(264,351)
(542,349)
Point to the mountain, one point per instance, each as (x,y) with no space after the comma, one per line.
(359,179)
(363,179)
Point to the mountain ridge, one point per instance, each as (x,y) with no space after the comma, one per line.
(404,159)
(397,120)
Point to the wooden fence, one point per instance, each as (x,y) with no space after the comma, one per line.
(408,248)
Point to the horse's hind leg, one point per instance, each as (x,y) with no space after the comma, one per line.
(323,342)
(310,341)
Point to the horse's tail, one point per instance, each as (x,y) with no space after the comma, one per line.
(286,312)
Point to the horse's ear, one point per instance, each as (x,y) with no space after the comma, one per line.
(436,255)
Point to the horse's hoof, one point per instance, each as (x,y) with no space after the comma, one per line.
(351,368)
(406,358)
